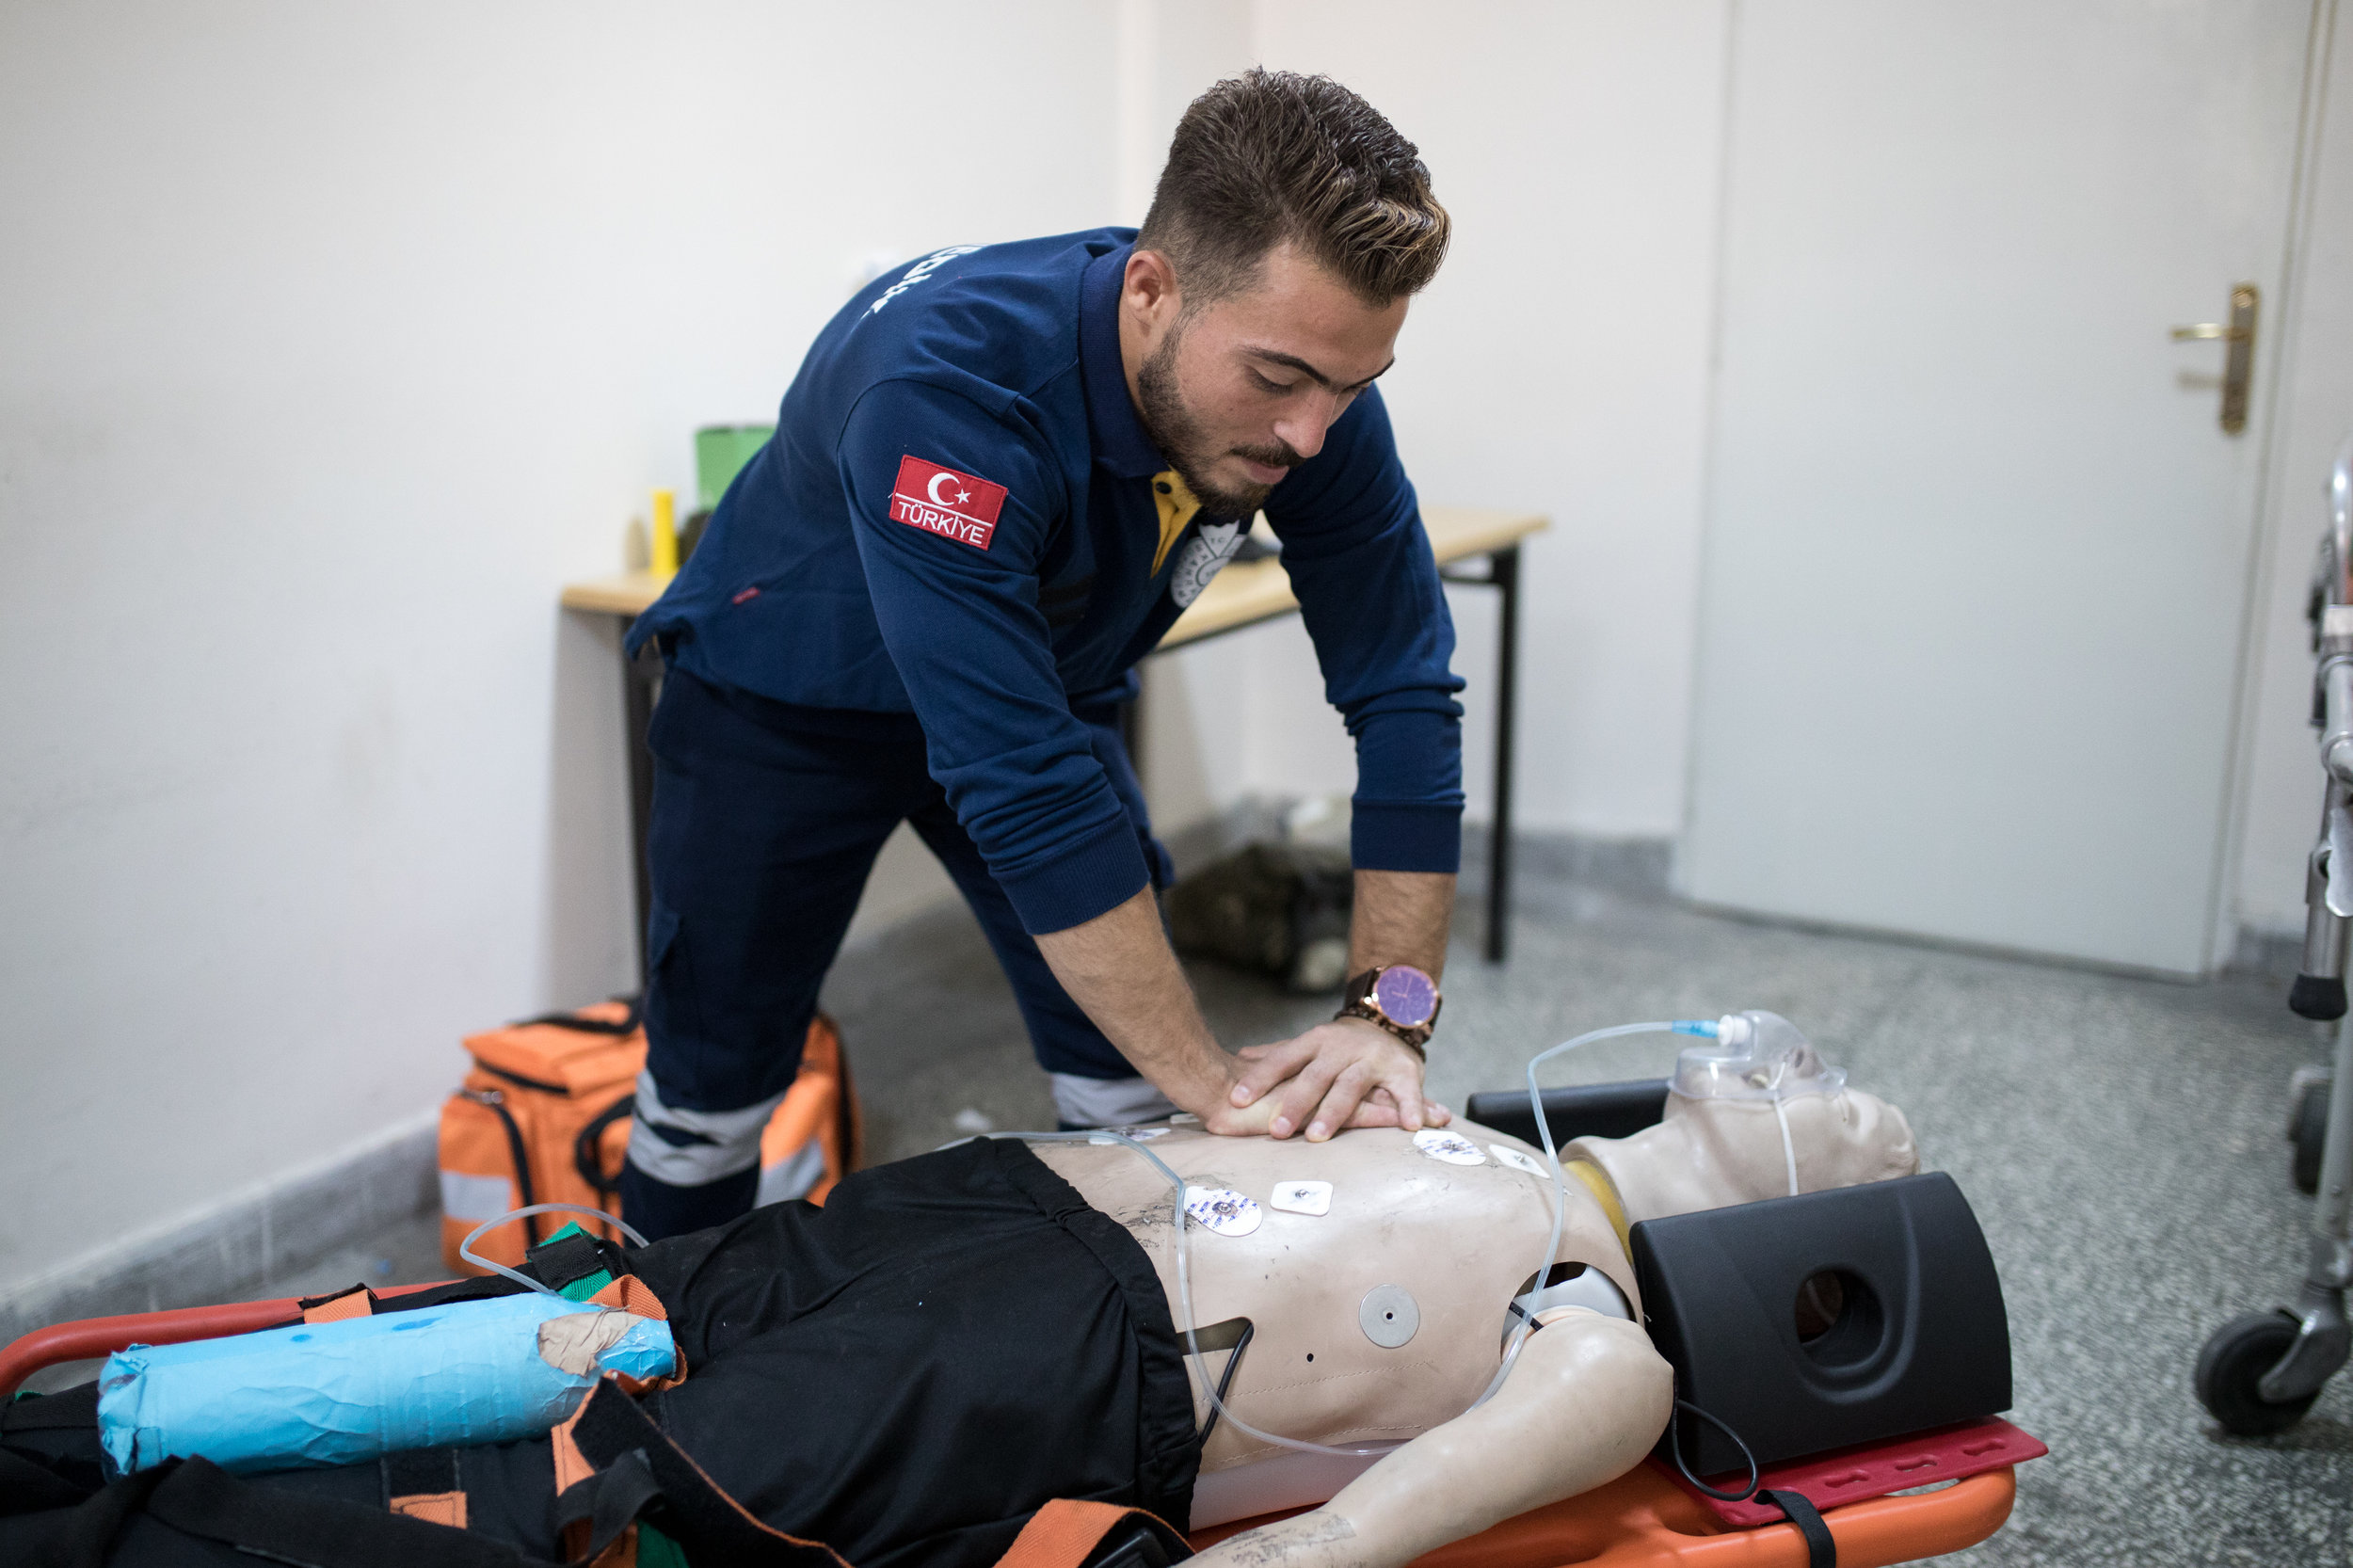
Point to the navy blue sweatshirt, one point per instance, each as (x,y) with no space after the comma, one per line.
(956,519)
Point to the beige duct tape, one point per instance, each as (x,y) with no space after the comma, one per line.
(573,1342)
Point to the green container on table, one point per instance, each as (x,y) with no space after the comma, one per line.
(720,453)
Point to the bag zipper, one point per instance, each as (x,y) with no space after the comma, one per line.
(516,1150)
(522,1083)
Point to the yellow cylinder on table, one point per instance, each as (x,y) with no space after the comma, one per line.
(661,539)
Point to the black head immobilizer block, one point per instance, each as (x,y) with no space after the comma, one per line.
(1827,1319)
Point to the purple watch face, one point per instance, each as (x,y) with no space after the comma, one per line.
(1407,997)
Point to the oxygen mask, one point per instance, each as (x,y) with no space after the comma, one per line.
(1754,1056)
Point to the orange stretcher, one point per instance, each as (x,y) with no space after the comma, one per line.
(1644,1519)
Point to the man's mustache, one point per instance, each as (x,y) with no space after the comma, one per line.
(1281,455)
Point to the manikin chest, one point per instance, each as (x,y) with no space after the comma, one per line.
(1374,1319)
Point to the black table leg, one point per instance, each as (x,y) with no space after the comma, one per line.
(1503,575)
(1504,572)
(639,677)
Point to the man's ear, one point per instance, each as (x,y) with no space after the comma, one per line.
(1148,288)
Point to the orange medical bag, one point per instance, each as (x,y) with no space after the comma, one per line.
(544,1117)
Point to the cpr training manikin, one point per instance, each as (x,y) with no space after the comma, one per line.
(1379,1304)
(910,1372)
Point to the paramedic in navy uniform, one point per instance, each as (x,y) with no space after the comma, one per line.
(1001,475)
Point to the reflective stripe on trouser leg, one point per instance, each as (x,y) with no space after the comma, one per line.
(692,1148)
(1107,1101)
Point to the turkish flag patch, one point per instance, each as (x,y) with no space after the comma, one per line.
(941,500)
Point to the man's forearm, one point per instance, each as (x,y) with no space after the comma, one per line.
(1118,969)
(1352,1072)
(1401,917)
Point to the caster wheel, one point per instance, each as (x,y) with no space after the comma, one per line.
(2307,1130)
(2236,1357)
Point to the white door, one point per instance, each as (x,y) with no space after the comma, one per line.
(1977,549)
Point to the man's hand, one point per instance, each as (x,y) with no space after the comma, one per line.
(1350,1072)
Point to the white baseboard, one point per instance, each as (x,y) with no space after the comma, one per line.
(2259,952)
(226,1250)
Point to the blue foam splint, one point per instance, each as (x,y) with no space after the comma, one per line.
(342,1393)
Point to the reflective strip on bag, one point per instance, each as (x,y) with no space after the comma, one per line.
(475,1198)
(792,1176)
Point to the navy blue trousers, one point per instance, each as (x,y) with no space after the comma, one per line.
(767,818)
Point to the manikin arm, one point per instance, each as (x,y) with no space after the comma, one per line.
(1585,1401)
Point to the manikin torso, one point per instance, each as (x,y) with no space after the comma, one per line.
(1445,1231)
(1458,1239)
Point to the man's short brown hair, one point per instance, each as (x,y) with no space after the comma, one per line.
(1270,156)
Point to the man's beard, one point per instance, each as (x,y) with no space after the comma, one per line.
(1178,434)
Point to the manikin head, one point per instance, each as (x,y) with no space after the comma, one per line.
(1754,1113)
(1265,292)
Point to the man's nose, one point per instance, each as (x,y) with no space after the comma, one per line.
(1304,431)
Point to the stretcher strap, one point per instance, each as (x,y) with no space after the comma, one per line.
(197,1497)
(566,1259)
(571,1466)
(592,1520)
(355,1301)
(631,1294)
(1822,1548)
(712,1526)
(434,1508)
(1065,1532)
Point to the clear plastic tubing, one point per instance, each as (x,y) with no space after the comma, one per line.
(517,1276)
(1552,1243)
(1552,1160)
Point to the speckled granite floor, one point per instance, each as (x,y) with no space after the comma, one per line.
(2120,1140)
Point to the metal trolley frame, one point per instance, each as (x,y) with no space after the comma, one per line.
(2261,1371)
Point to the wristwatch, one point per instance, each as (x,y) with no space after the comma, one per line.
(1398,997)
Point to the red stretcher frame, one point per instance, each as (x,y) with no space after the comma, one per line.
(1641,1520)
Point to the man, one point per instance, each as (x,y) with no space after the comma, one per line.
(999,477)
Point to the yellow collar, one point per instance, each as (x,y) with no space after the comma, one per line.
(1176,506)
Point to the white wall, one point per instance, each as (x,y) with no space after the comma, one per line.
(332,341)
(2314,339)
(1560,363)
(1557,364)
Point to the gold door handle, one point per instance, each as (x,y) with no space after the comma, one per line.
(2239,364)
